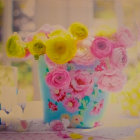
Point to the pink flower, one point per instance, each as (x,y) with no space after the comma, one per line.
(81,84)
(124,38)
(27,53)
(118,57)
(111,80)
(71,104)
(58,95)
(58,78)
(56,125)
(47,29)
(97,108)
(96,124)
(101,47)
(63,135)
(84,55)
(52,106)
(24,124)
(29,37)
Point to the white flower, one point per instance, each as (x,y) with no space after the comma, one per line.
(65,122)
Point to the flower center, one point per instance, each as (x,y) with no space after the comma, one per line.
(60,48)
(56,92)
(81,51)
(101,45)
(80,82)
(70,104)
(59,77)
(39,47)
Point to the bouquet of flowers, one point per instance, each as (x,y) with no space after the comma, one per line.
(80,68)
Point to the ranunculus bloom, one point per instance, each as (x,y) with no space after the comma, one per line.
(78,30)
(58,95)
(118,57)
(37,46)
(81,84)
(111,80)
(56,125)
(58,79)
(124,38)
(71,104)
(83,54)
(61,48)
(15,47)
(101,47)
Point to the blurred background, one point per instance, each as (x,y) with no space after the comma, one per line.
(26,16)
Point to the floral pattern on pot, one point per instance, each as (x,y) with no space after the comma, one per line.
(76,100)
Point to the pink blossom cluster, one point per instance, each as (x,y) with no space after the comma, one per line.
(69,86)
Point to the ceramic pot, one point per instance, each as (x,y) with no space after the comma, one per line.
(91,108)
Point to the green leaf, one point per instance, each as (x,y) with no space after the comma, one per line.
(79,112)
(81,123)
(93,93)
(68,68)
(81,107)
(95,85)
(100,91)
(47,69)
(95,102)
(87,100)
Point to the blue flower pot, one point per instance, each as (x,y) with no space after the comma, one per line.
(91,107)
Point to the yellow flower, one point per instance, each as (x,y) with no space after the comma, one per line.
(130,100)
(76,136)
(105,31)
(77,119)
(65,116)
(37,46)
(58,32)
(61,48)
(15,46)
(78,30)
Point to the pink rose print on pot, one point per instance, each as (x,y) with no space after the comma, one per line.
(81,84)
(58,95)
(97,108)
(111,80)
(84,55)
(58,79)
(118,58)
(101,47)
(71,104)
(52,106)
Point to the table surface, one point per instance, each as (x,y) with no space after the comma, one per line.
(115,126)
